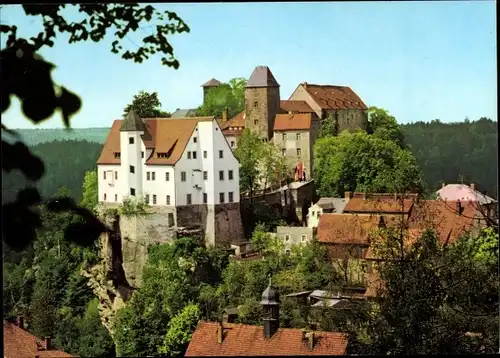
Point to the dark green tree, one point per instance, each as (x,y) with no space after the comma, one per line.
(146,105)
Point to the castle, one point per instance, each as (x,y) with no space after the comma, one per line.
(294,124)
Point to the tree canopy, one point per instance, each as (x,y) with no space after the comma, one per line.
(362,162)
(146,105)
(230,96)
(383,125)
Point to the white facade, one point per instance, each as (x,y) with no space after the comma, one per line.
(196,172)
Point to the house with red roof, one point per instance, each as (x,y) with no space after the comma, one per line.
(231,339)
(19,343)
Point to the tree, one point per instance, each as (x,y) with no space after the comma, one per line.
(146,105)
(29,79)
(329,127)
(230,96)
(362,162)
(180,329)
(89,190)
(385,126)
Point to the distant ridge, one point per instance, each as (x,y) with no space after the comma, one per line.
(34,136)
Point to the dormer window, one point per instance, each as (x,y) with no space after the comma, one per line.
(117,155)
(161,155)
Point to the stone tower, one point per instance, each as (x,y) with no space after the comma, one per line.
(270,304)
(262,102)
(207,86)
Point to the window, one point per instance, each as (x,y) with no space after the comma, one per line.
(194,155)
(283,151)
(287,252)
(167,176)
(255,104)
(154,199)
(142,154)
(221,198)
(204,154)
(116,197)
(283,136)
(171,220)
(205,198)
(221,154)
(233,144)
(183,176)
(130,140)
(189,155)
(104,175)
(299,152)
(230,197)
(152,175)
(132,191)
(104,197)
(148,176)
(298,136)
(205,175)
(188,199)
(256,121)
(132,169)
(168,199)
(287,237)
(195,139)
(221,174)
(147,199)
(230,175)
(161,155)
(116,175)
(304,238)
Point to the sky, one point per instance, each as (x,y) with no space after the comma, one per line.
(419,60)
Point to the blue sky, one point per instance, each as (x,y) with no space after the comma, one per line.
(419,60)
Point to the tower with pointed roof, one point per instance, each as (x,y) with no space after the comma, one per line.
(131,155)
(262,101)
(270,303)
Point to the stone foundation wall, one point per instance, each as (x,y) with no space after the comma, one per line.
(228,223)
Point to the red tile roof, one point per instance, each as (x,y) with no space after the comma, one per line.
(163,135)
(298,121)
(334,97)
(295,106)
(378,204)
(18,343)
(246,340)
(237,121)
(351,229)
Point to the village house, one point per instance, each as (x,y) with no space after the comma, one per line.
(231,339)
(183,166)
(324,205)
(294,235)
(294,124)
(19,343)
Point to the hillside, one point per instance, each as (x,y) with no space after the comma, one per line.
(36,136)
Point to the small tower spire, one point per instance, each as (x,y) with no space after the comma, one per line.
(270,303)
(132,123)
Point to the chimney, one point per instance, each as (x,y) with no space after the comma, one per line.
(20,322)
(311,341)
(47,344)
(224,114)
(348,195)
(459,208)
(443,185)
(473,186)
(220,333)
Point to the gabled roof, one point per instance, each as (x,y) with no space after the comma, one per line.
(334,97)
(237,121)
(19,343)
(247,340)
(351,229)
(162,135)
(327,203)
(464,193)
(379,203)
(182,113)
(262,77)
(297,121)
(295,106)
(132,123)
(211,83)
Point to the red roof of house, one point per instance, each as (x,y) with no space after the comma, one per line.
(295,106)
(247,340)
(379,203)
(297,121)
(19,343)
(162,135)
(334,97)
